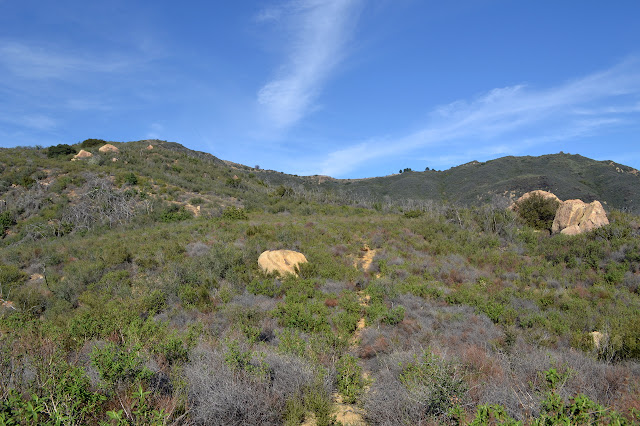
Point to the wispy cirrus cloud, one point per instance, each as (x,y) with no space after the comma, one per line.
(319,31)
(38,62)
(506,120)
(39,82)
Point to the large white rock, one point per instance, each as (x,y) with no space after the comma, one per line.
(282,261)
(108,148)
(575,217)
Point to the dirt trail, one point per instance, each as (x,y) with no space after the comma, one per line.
(351,414)
(365,259)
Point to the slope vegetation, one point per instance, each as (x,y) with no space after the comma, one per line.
(131,294)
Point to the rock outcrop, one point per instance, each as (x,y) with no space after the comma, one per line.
(575,217)
(81,155)
(282,261)
(108,148)
(598,338)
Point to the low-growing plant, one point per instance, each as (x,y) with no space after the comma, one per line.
(350,382)
(436,384)
(117,365)
(234,213)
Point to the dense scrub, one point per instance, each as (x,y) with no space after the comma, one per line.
(127,308)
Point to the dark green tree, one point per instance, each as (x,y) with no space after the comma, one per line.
(60,150)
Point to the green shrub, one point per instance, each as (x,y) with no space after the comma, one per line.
(435,383)
(394,316)
(63,396)
(290,342)
(117,365)
(265,286)
(538,211)
(309,316)
(235,213)
(10,277)
(173,349)
(496,414)
(350,381)
(60,150)
(412,214)
(6,221)
(131,179)
(191,295)
(283,191)
(174,213)
(234,182)
(615,272)
(90,143)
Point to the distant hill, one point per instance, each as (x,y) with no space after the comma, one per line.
(189,172)
(568,176)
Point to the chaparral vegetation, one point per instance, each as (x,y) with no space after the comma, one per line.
(131,294)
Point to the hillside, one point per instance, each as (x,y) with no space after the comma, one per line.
(131,294)
(568,176)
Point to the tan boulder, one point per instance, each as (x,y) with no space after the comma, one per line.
(571,230)
(149,147)
(193,209)
(108,148)
(544,194)
(282,261)
(575,217)
(82,154)
(594,217)
(598,338)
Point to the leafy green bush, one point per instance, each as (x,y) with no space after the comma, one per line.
(60,150)
(538,211)
(411,214)
(174,213)
(283,191)
(90,143)
(350,381)
(131,179)
(235,213)
(117,365)
(6,221)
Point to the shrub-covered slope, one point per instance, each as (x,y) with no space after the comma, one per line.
(567,176)
(122,303)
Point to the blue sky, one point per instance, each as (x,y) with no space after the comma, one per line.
(347,88)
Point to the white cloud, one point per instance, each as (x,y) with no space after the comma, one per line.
(505,120)
(155,132)
(319,33)
(29,120)
(37,62)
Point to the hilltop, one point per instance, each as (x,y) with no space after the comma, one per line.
(474,183)
(130,293)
